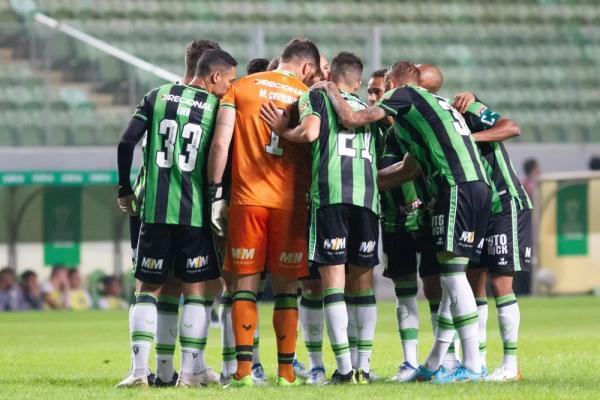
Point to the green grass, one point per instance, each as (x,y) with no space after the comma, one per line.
(65,355)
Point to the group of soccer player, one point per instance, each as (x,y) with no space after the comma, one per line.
(287,171)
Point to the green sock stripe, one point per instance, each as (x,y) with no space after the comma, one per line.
(163,298)
(286,302)
(506,300)
(352,340)
(311,296)
(226,300)
(482,346)
(403,284)
(313,303)
(365,344)
(162,348)
(340,348)
(314,347)
(244,295)
(510,348)
(453,260)
(465,320)
(445,323)
(453,269)
(481,301)
(364,292)
(141,335)
(229,357)
(330,291)
(167,308)
(195,343)
(409,334)
(146,298)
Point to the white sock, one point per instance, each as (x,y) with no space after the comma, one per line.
(352,330)
(407,316)
(464,316)
(482,309)
(336,317)
(143,318)
(366,320)
(311,322)
(444,335)
(195,321)
(509,319)
(229,365)
(166,336)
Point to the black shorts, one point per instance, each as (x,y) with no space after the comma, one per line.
(507,245)
(134,230)
(428,263)
(460,219)
(344,234)
(185,252)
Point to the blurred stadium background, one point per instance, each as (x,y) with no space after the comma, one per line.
(71,72)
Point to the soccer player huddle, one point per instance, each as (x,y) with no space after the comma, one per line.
(287,171)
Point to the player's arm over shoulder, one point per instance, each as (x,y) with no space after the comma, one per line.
(488,125)
(346,115)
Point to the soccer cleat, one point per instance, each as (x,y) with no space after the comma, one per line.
(132,381)
(460,375)
(258,375)
(246,381)
(316,376)
(484,372)
(151,378)
(372,376)
(159,383)
(362,377)
(424,375)
(204,378)
(406,373)
(504,375)
(299,369)
(281,381)
(339,379)
(224,380)
(208,376)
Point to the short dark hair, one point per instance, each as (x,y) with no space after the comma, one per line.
(347,66)
(194,51)
(212,60)
(303,49)
(273,64)
(404,71)
(257,65)
(595,163)
(107,280)
(380,73)
(7,270)
(27,274)
(72,271)
(529,165)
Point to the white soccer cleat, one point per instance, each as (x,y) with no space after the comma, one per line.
(204,378)
(132,381)
(503,374)
(209,376)
(406,373)
(316,376)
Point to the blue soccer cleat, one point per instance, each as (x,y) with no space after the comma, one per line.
(460,375)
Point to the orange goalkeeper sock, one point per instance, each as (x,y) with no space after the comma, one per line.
(244,318)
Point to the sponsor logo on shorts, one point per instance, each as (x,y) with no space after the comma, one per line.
(502,261)
(367,247)
(242,253)
(497,244)
(197,263)
(290,258)
(335,244)
(467,237)
(152,264)
(437,225)
(527,254)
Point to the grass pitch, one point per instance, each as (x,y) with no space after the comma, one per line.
(67,355)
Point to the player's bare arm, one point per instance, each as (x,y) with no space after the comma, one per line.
(348,117)
(306,131)
(462,101)
(503,130)
(132,135)
(217,161)
(398,173)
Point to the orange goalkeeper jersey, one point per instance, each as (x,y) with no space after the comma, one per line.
(266,170)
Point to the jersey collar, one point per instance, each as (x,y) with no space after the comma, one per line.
(285,72)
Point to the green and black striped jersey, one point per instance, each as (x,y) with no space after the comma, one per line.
(343,160)
(504,178)
(401,207)
(436,134)
(179,121)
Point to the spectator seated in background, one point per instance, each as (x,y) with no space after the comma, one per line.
(9,290)
(54,291)
(30,293)
(111,294)
(532,173)
(595,163)
(77,297)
